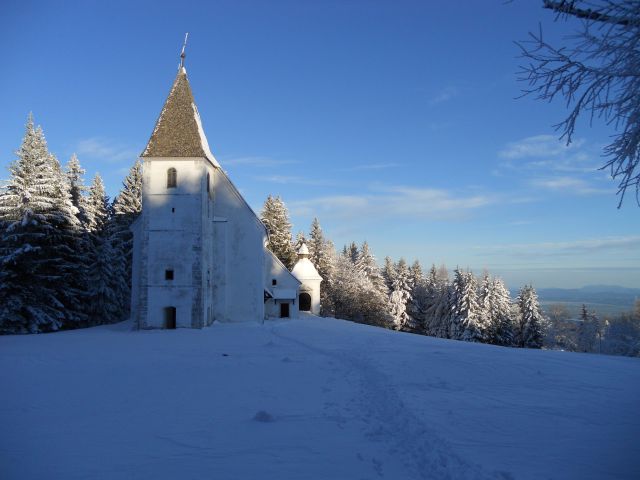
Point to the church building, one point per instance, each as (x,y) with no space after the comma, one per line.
(199,250)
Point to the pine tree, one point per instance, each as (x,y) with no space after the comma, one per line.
(530,325)
(74,173)
(421,301)
(126,207)
(438,311)
(496,311)
(367,266)
(588,331)
(389,274)
(321,254)
(465,323)
(502,316)
(354,297)
(276,218)
(438,317)
(326,269)
(415,306)
(316,244)
(41,276)
(106,301)
(400,296)
(300,239)
(353,253)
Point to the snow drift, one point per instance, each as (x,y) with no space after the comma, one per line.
(309,399)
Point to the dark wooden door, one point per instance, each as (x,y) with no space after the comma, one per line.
(170,318)
(284,310)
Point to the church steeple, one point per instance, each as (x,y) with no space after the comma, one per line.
(178,131)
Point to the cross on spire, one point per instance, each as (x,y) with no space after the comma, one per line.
(184,46)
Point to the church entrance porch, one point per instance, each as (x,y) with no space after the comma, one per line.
(305,302)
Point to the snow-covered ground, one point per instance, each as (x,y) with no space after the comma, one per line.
(309,399)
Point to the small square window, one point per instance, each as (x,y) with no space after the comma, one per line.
(173,210)
(168,274)
(274,281)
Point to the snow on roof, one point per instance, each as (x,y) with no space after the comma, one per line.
(304,270)
(284,293)
(303,250)
(178,131)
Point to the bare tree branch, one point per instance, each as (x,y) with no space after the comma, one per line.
(597,73)
(568,7)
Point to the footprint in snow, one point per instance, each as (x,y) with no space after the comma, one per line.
(263,416)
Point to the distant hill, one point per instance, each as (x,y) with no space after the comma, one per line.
(604,299)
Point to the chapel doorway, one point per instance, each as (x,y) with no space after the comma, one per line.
(284,310)
(305,302)
(170,318)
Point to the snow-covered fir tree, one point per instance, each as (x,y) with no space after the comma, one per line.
(321,254)
(105,271)
(496,311)
(126,207)
(316,244)
(300,239)
(77,189)
(530,325)
(420,303)
(442,274)
(438,313)
(42,279)
(352,252)
(465,311)
(389,274)
(367,266)
(502,314)
(400,296)
(589,331)
(275,217)
(354,297)
(415,305)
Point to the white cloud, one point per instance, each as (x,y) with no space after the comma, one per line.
(549,164)
(548,153)
(537,146)
(257,161)
(101,149)
(370,166)
(293,179)
(570,185)
(446,94)
(613,244)
(395,202)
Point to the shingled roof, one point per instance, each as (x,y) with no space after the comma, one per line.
(178,131)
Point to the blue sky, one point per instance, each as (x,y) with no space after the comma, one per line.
(394,122)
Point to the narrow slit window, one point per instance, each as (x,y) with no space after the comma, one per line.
(168,274)
(172,178)
(208,183)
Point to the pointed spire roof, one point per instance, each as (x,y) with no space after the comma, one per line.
(178,131)
(303,250)
(304,268)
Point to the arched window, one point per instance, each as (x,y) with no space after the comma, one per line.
(172,178)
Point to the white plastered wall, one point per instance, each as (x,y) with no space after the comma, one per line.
(238,255)
(275,270)
(173,220)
